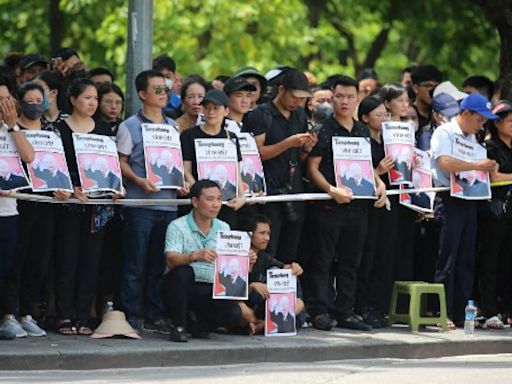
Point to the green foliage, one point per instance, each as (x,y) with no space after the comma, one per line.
(212,37)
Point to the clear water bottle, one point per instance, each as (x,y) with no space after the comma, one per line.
(110,306)
(469,319)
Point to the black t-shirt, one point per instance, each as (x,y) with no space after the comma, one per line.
(323,149)
(499,151)
(264,262)
(266,119)
(188,148)
(66,135)
(422,120)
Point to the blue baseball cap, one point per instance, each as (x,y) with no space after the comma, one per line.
(479,104)
(445,104)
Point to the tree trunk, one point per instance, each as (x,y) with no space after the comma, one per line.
(57,23)
(499,12)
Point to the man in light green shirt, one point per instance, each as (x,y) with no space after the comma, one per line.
(190,244)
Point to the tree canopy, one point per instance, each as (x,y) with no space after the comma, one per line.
(213,37)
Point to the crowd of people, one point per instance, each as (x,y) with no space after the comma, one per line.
(61,263)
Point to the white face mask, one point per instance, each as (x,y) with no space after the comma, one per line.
(169,83)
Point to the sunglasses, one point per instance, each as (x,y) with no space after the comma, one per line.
(160,90)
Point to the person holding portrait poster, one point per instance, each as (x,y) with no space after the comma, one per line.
(455,150)
(340,218)
(145,226)
(212,152)
(191,252)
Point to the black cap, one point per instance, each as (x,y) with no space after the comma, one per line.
(237,83)
(296,82)
(31,59)
(215,96)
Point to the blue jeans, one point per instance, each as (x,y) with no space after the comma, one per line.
(144,262)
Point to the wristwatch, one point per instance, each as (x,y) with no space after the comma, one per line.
(15,128)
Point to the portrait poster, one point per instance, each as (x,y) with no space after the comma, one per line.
(49,170)
(353,169)
(280,306)
(398,140)
(421,178)
(12,174)
(217,160)
(253,177)
(162,156)
(232,266)
(472,184)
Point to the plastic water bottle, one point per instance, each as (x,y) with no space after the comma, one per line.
(110,306)
(469,320)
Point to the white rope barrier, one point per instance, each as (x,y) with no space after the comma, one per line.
(255,199)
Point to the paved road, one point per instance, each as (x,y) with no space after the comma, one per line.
(450,370)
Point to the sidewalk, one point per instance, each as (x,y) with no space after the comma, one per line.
(78,352)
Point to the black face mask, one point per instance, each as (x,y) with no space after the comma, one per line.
(32,111)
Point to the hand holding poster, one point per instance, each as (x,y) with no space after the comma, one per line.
(217,160)
(421,178)
(353,167)
(469,185)
(162,155)
(253,178)
(49,170)
(12,175)
(98,163)
(280,306)
(399,144)
(232,266)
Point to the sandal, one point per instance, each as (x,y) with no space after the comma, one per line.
(493,323)
(83,329)
(66,328)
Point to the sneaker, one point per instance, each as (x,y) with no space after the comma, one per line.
(30,325)
(353,322)
(324,322)
(178,334)
(374,319)
(6,334)
(12,326)
(159,326)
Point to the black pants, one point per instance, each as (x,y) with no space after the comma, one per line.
(8,241)
(28,271)
(181,294)
(426,247)
(342,231)
(457,220)
(493,265)
(285,232)
(404,250)
(375,274)
(78,253)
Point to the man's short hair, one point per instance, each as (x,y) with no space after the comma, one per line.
(257,219)
(100,71)
(142,79)
(344,81)
(197,188)
(483,84)
(426,73)
(164,61)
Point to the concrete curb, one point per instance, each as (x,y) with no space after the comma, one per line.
(70,353)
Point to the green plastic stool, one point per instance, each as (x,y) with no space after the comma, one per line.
(415,289)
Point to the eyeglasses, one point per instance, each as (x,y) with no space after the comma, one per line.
(160,90)
(116,103)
